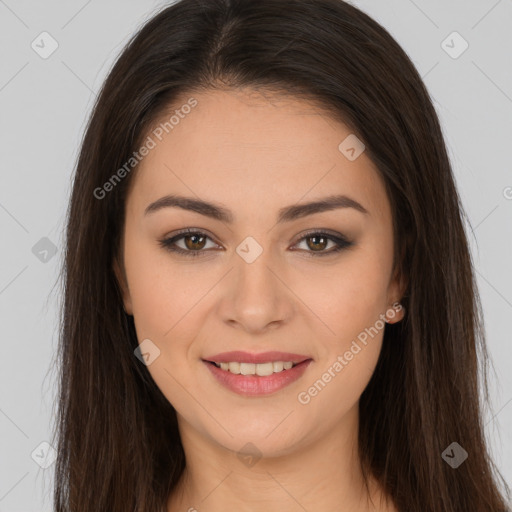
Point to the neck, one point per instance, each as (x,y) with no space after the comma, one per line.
(323,474)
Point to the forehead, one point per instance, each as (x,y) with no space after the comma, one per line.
(253,151)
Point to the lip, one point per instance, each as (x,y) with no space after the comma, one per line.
(263,357)
(254,385)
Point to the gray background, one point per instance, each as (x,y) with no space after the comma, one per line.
(44,105)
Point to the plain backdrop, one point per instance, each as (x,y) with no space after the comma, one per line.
(44,105)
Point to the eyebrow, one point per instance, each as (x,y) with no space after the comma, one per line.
(286,214)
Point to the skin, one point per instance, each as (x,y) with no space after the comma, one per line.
(255,154)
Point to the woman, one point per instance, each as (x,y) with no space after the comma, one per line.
(269,298)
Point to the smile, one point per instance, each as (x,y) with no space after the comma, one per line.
(262,369)
(251,379)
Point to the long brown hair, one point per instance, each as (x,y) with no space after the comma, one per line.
(118,444)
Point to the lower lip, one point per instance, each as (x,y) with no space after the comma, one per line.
(254,385)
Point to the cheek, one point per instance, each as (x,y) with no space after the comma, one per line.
(336,386)
(347,356)
(350,300)
(348,297)
(169,302)
(161,293)
(166,304)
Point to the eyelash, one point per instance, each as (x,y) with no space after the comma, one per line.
(341,243)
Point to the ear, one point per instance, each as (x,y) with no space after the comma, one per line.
(120,274)
(396,292)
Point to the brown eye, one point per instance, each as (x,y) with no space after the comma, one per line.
(191,243)
(317,242)
(194,242)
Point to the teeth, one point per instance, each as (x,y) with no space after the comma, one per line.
(278,366)
(263,369)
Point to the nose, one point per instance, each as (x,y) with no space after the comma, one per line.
(256,297)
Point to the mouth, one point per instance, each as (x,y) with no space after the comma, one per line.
(251,379)
(256,369)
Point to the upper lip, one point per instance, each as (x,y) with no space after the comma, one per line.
(263,357)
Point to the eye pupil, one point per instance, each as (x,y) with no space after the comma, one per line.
(194,244)
(315,245)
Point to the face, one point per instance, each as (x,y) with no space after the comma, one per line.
(258,274)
